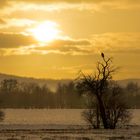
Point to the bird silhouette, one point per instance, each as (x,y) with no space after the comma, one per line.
(102,54)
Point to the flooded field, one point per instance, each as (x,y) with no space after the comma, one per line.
(60,124)
(43,116)
(52,116)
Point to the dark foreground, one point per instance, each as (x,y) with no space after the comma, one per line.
(52,132)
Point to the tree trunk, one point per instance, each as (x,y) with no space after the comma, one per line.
(102,111)
(98,117)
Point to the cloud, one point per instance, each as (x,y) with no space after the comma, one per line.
(10,40)
(108,42)
(70,42)
(67,47)
(16,22)
(113,43)
(73,1)
(3,3)
(93,4)
(53,5)
(15,25)
(2,21)
(117,42)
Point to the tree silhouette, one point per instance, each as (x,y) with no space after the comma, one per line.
(99,86)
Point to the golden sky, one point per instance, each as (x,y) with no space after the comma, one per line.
(57,38)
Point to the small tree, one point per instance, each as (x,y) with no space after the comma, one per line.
(116,107)
(91,114)
(100,86)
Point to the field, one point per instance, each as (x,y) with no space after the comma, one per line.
(60,124)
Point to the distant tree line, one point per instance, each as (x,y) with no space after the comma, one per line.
(14,94)
(132,93)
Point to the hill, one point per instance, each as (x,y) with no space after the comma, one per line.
(52,83)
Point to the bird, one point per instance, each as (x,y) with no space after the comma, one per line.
(102,54)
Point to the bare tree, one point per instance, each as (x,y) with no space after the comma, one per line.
(116,107)
(98,85)
(91,114)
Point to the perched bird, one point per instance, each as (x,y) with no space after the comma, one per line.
(102,54)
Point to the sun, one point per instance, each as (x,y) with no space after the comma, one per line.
(46,31)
